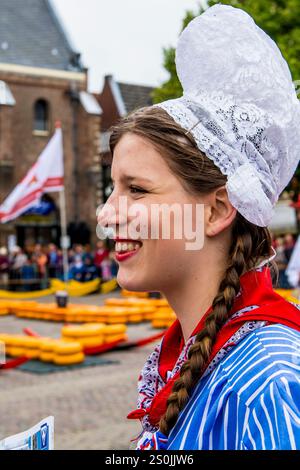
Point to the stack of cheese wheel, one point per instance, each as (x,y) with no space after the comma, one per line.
(31,347)
(68,353)
(115,333)
(138,310)
(13,345)
(19,306)
(88,335)
(163,317)
(21,345)
(4,309)
(91,335)
(85,314)
(128,293)
(47,349)
(115,315)
(48,312)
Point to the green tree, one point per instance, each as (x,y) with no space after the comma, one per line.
(278,18)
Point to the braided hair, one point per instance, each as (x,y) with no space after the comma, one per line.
(249,243)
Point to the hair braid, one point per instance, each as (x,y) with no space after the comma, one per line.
(240,258)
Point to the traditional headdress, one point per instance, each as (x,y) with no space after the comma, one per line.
(240,105)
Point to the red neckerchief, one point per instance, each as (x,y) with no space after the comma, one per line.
(255,289)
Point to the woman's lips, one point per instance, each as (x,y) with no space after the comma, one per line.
(125,249)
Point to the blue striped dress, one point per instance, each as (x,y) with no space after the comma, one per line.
(251,400)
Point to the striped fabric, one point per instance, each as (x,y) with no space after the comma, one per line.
(250,401)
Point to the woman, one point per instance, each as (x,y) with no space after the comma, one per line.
(227,372)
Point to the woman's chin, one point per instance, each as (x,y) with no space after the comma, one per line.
(132,283)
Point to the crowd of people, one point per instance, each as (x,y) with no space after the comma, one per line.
(46,261)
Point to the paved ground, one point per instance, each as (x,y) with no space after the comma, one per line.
(89,405)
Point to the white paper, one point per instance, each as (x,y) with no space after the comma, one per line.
(39,437)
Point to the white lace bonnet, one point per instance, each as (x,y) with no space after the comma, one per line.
(240,105)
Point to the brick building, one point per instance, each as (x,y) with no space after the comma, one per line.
(42,80)
(116,100)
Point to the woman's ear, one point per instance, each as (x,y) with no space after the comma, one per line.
(219,212)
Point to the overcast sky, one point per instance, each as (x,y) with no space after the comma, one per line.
(124,38)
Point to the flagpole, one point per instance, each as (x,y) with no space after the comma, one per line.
(63,225)
(64,237)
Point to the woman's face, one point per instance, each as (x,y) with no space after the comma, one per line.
(141,176)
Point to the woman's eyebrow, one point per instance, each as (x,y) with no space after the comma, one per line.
(130,179)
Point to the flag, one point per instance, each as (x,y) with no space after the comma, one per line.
(46,175)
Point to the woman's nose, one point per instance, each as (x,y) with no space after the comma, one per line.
(106,215)
(113,213)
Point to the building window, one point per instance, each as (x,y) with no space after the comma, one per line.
(41,116)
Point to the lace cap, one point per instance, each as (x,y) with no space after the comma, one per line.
(240,104)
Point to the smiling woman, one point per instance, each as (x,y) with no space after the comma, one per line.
(226,374)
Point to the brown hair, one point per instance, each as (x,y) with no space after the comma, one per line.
(249,243)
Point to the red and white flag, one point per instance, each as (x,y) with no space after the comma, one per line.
(46,175)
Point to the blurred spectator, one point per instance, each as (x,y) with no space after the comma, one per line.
(4,264)
(100,255)
(106,269)
(60,268)
(53,261)
(76,271)
(282,262)
(41,260)
(90,270)
(289,244)
(293,268)
(78,253)
(29,270)
(87,253)
(18,259)
(114,265)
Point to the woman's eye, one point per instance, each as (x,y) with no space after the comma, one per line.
(135,190)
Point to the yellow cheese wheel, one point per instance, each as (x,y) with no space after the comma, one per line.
(116,320)
(4,304)
(147,316)
(48,345)
(168,315)
(70,317)
(81,331)
(127,293)
(160,324)
(4,311)
(69,359)
(67,347)
(30,342)
(115,329)
(15,351)
(4,338)
(135,318)
(91,341)
(164,310)
(112,338)
(15,340)
(79,318)
(32,353)
(46,356)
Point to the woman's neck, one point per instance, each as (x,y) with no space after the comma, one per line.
(192,297)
